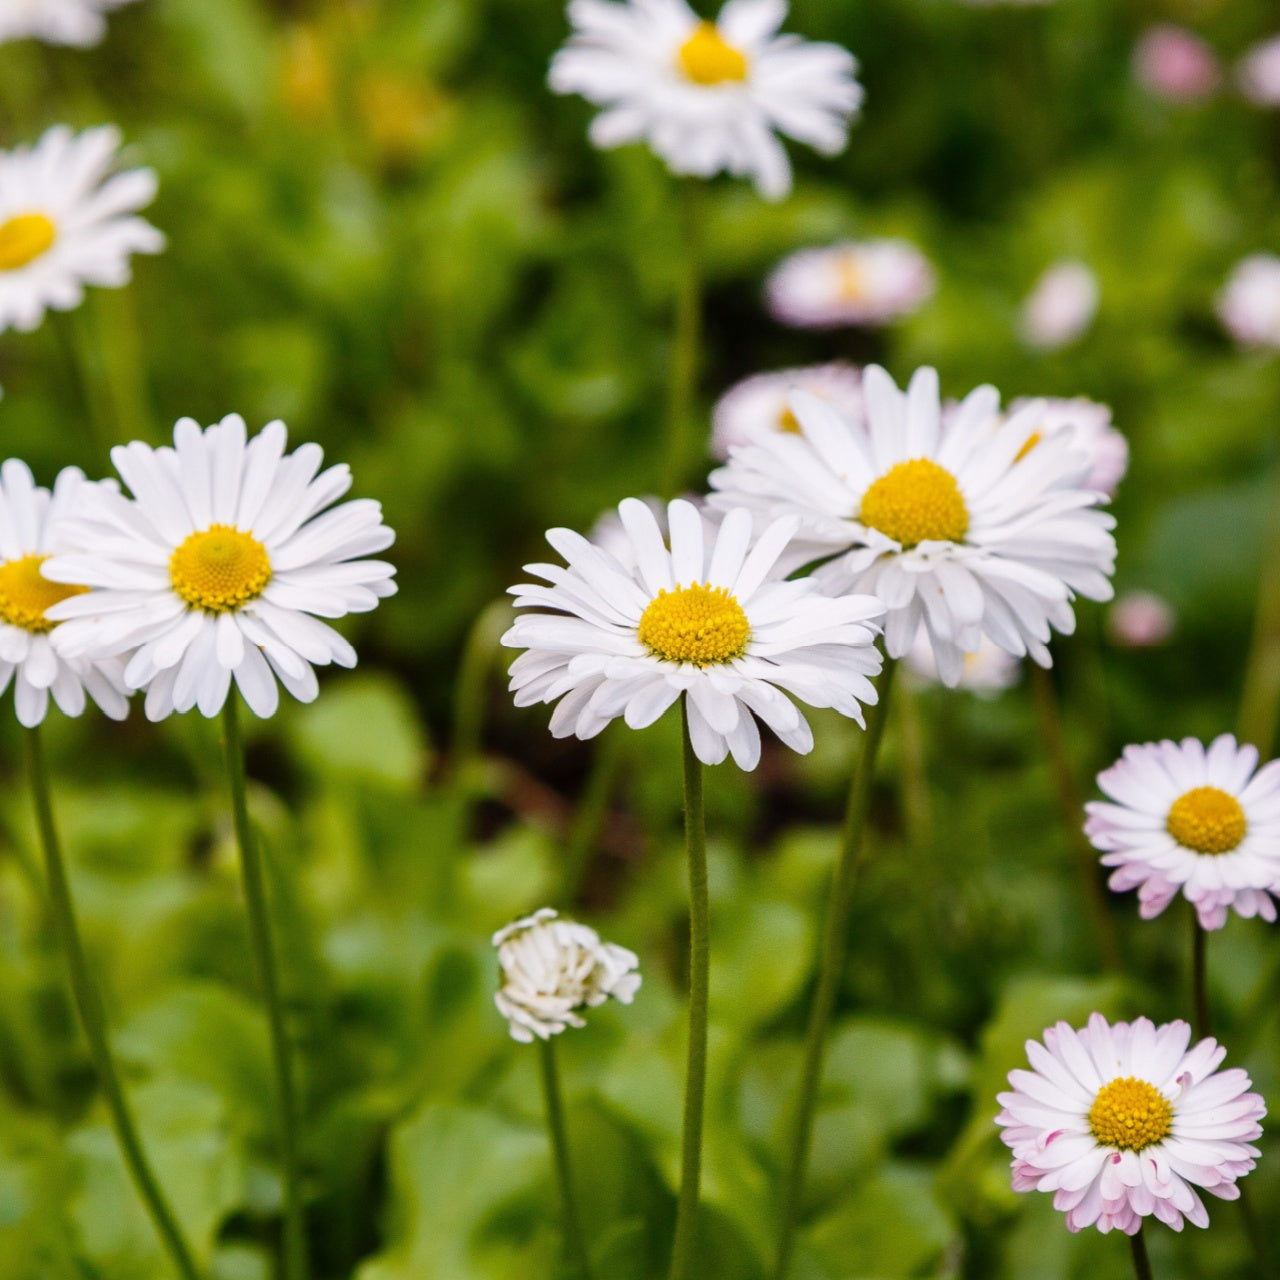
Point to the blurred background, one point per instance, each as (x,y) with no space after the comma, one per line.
(385,230)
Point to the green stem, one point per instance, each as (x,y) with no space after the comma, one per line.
(99,424)
(686,339)
(1260,695)
(592,811)
(1141,1263)
(575,1240)
(1199,979)
(255,893)
(478,657)
(695,827)
(1259,1237)
(93,1017)
(1071,807)
(835,940)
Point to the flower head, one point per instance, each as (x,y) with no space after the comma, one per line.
(1198,820)
(1122,1122)
(1258,73)
(1249,304)
(763,401)
(704,619)
(65,223)
(857,282)
(69,22)
(31,524)
(220,565)
(551,968)
(960,528)
(707,96)
(1140,620)
(1061,306)
(987,671)
(1088,425)
(1175,63)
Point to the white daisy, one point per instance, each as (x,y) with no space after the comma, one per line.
(707,96)
(1258,73)
(763,401)
(1123,1122)
(961,529)
(1061,306)
(1249,304)
(702,619)
(1192,819)
(220,565)
(1089,428)
(857,282)
(66,221)
(31,523)
(987,671)
(70,22)
(551,968)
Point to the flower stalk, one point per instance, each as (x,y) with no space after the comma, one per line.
(1141,1263)
(574,1239)
(686,340)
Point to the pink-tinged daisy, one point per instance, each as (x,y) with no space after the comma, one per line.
(1061,306)
(1088,426)
(1206,822)
(628,636)
(1258,73)
(1122,1122)
(220,566)
(1249,304)
(763,401)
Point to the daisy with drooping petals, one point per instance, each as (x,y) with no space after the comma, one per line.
(70,22)
(1122,1122)
(703,619)
(66,221)
(31,521)
(551,968)
(1206,821)
(707,96)
(868,282)
(962,529)
(220,566)
(763,401)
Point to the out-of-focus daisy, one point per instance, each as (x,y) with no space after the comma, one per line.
(1088,426)
(1061,306)
(1249,304)
(66,221)
(707,96)
(551,968)
(703,619)
(1122,1122)
(1175,63)
(988,670)
(763,402)
(31,521)
(866,282)
(1140,620)
(1190,819)
(963,530)
(220,566)
(1258,73)
(72,22)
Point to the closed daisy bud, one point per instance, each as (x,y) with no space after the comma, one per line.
(552,968)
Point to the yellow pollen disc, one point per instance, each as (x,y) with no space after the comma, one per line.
(914,502)
(705,57)
(24,238)
(25,594)
(788,422)
(1207,820)
(219,569)
(851,281)
(700,623)
(1032,440)
(1130,1114)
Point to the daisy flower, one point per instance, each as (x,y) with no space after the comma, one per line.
(707,96)
(1088,425)
(31,523)
(987,671)
(1140,620)
(551,968)
(962,529)
(1258,73)
(704,619)
(1061,306)
(1123,1122)
(66,221)
(867,282)
(70,22)
(220,566)
(763,401)
(1176,64)
(1249,304)
(1198,820)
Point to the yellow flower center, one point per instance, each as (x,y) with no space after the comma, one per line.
(788,422)
(25,594)
(851,279)
(1032,440)
(23,238)
(700,623)
(1130,1114)
(1207,820)
(219,569)
(916,501)
(706,58)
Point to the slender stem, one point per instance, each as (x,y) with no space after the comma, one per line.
(255,893)
(1259,1237)
(831,968)
(93,1017)
(99,421)
(695,827)
(574,1239)
(1141,1263)
(478,657)
(1199,978)
(1071,806)
(686,339)
(592,811)
(1260,695)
